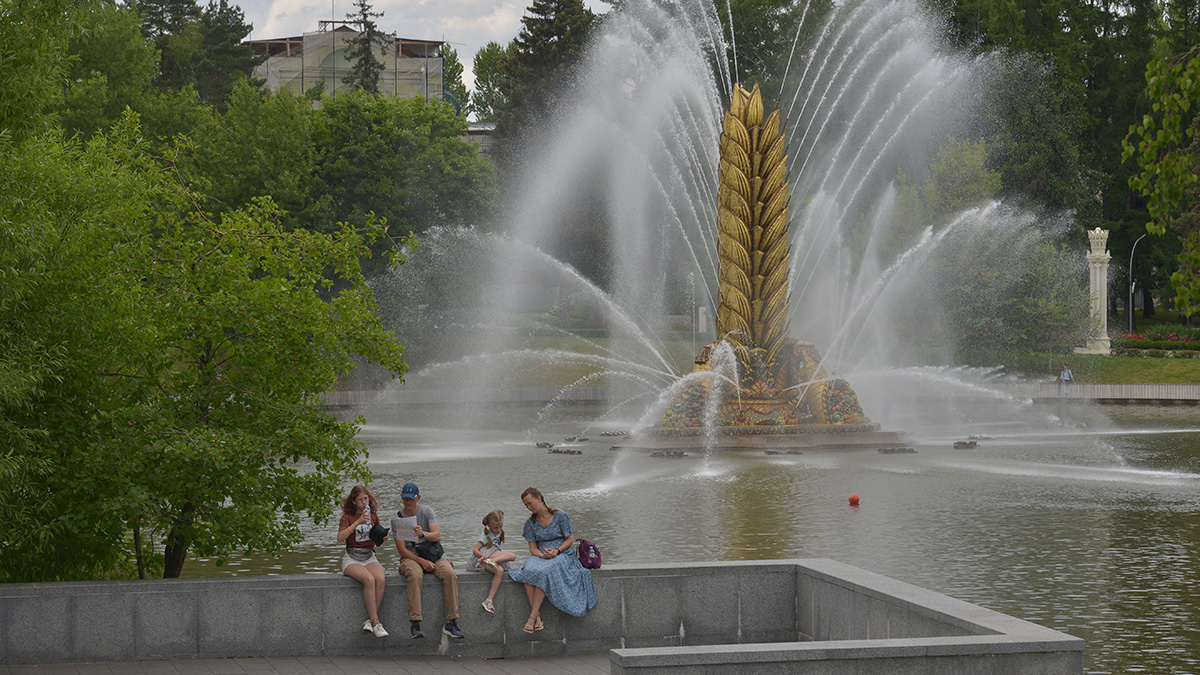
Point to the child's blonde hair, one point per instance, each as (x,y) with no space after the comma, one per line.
(495,517)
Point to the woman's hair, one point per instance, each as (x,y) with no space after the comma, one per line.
(536,494)
(492,517)
(350,505)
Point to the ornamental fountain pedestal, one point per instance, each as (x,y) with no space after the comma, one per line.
(757,387)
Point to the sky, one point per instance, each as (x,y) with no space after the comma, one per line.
(467,25)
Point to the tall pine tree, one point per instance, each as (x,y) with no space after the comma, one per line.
(365,67)
(537,70)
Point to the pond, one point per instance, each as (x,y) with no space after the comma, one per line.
(1090,525)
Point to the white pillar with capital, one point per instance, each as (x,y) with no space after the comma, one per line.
(1098,342)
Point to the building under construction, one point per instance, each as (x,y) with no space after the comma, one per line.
(411,68)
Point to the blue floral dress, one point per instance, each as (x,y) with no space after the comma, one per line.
(567,583)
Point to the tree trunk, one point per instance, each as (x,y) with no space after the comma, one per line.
(1147,304)
(137,549)
(175,551)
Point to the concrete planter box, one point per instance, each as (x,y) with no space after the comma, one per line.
(795,616)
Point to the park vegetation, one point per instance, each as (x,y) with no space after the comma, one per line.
(183,265)
(184,255)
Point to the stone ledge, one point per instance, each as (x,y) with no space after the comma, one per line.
(655,618)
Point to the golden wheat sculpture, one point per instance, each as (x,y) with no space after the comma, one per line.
(781,388)
(753,219)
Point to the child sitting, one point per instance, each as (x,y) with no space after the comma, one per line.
(489,557)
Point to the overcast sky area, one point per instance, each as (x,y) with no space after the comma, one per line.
(467,25)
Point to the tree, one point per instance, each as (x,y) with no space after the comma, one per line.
(264,145)
(113,66)
(360,50)
(959,178)
(452,73)
(1159,143)
(224,58)
(403,159)
(488,96)
(172,26)
(537,71)
(763,32)
(159,364)
(202,48)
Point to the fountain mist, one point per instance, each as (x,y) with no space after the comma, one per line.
(631,163)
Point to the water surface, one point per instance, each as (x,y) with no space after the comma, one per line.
(1090,525)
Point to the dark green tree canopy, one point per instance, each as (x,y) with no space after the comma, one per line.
(536,73)
(201,48)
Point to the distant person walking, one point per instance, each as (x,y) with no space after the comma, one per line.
(1065,378)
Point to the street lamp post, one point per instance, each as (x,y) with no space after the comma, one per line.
(1129,307)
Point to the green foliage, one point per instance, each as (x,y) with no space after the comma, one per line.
(33,34)
(536,71)
(262,145)
(958,179)
(452,73)
(488,96)
(201,48)
(224,58)
(365,67)
(159,363)
(403,159)
(763,33)
(112,68)
(1160,144)
(1037,142)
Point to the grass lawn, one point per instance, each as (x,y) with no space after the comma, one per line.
(1132,369)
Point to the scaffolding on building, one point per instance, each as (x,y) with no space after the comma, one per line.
(411,68)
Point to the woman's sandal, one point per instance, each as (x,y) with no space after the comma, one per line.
(530,625)
(538,624)
(489,607)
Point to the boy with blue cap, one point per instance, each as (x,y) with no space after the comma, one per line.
(423,556)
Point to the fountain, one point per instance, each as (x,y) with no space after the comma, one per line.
(856,291)
(774,393)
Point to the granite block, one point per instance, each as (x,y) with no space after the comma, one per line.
(652,605)
(25,629)
(166,622)
(102,627)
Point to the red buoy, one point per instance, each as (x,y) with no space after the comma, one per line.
(854,500)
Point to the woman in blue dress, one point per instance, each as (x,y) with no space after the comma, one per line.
(553,572)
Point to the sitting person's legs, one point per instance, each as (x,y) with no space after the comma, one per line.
(414,575)
(444,571)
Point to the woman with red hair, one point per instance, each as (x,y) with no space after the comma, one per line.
(360,513)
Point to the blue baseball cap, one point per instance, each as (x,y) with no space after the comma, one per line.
(410,491)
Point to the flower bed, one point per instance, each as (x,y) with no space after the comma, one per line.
(1184,343)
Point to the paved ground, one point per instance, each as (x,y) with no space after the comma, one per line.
(586,664)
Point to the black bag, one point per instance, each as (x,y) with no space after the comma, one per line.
(429,550)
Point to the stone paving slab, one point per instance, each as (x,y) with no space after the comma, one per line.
(579,664)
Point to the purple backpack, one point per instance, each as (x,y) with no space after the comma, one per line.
(589,555)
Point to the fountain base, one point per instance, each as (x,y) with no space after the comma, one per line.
(827,437)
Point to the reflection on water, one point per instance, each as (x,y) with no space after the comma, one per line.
(1093,531)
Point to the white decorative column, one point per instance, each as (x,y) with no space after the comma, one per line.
(1098,342)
